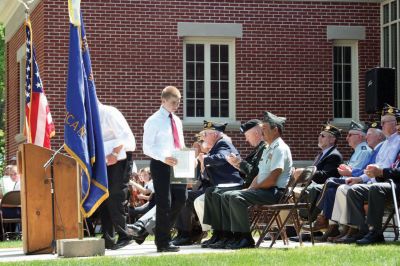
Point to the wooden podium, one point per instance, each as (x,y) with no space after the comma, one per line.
(36,198)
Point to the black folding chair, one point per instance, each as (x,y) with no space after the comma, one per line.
(291,203)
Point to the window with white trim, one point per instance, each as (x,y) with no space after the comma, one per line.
(345,81)
(209,79)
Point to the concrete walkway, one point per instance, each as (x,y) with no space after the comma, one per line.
(146,249)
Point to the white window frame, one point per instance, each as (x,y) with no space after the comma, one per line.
(207,41)
(355,98)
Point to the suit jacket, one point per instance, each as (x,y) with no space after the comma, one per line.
(327,166)
(218,170)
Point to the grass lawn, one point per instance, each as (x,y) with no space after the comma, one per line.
(387,254)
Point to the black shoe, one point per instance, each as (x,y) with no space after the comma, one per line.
(304,237)
(182,241)
(138,232)
(212,240)
(169,248)
(243,243)
(220,244)
(122,243)
(372,237)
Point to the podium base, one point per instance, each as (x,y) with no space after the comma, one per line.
(86,247)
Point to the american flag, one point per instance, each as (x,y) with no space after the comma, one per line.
(39,127)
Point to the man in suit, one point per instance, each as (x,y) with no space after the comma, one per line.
(222,175)
(327,162)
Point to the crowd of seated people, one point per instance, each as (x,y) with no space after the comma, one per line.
(338,193)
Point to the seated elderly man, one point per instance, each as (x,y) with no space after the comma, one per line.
(375,138)
(248,168)
(274,170)
(359,193)
(222,175)
(359,159)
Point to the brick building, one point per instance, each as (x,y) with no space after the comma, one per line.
(232,59)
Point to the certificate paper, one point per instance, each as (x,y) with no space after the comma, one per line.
(185,167)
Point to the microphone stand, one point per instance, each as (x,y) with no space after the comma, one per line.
(51,178)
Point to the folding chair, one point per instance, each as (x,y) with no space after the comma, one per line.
(393,215)
(289,203)
(10,213)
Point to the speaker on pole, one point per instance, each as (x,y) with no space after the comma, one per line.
(380,86)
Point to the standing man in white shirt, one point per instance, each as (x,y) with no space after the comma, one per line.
(162,135)
(119,145)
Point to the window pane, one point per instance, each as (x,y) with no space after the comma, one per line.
(199,71)
(394,45)
(199,89)
(215,108)
(386,13)
(347,91)
(190,108)
(200,108)
(189,89)
(337,93)
(347,55)
(337,54)
(214,71)
(338,72)
(189,71)
(224,68)
(224,90)
(215,90)
(224,108)
(386,46)
(199,52)
(347,73)
(393,11)
(214,53)
(189,52)
(347,109)
(224,53)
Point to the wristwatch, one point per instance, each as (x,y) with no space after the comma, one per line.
(114,154)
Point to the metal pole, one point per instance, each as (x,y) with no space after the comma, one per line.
(395,204)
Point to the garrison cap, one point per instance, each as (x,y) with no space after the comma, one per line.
(271,118)
(209,125)
(328,127)
(249,125)
(357,126)
(375,124)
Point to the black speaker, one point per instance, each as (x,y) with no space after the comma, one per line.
(380,86)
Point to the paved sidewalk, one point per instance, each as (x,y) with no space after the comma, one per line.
(146,249)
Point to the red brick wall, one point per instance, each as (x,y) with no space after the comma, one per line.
(283,61)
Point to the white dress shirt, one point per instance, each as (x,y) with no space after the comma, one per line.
(116,131)
(158,140)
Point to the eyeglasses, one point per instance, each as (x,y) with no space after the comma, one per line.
(322,135)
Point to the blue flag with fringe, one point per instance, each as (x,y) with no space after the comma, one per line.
(83,139)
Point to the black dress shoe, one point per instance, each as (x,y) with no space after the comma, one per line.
(243,243)
(169,248)
(122,243)
(212,240)
(138,233)
(372,237)
(182,241)
(220,244)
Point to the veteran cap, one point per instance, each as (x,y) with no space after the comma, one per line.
(390,110)
(271,118)
(328,127)
(375,124)
(249,125)
(357,126)
(208,125)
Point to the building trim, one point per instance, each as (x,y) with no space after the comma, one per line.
(345,32)
(210,29)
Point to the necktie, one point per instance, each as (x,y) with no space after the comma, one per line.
(175,133)
(316,161)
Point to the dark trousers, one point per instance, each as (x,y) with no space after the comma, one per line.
(184,223)
(327,197)
(311,196)
(169,201)
(113,213)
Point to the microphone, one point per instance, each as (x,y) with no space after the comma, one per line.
(53,157)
